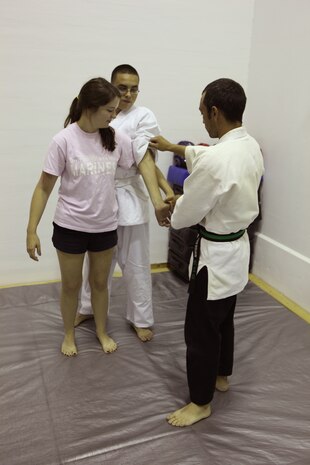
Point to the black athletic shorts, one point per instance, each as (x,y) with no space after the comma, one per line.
(70,241)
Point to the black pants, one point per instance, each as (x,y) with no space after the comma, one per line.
(209,337)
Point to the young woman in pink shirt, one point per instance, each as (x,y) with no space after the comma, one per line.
(84,155)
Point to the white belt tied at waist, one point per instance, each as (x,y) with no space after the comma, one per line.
(131,180)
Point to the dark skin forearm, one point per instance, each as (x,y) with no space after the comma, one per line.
(163,145)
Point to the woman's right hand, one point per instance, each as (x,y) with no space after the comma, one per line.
(33,245)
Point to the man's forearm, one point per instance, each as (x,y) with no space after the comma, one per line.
(178,149)
(163,183)
(162,144)
(147,169)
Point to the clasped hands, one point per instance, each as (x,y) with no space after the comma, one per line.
(164,211)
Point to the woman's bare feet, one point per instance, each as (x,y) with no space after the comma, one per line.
(68,346)
(107,343)
(222,383)
(144,334)
(80,317)
(189,414)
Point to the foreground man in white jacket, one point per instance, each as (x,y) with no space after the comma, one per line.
(220,197)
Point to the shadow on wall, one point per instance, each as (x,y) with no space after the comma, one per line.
(255,227)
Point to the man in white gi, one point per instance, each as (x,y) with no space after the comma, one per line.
(220,197)
(132,253)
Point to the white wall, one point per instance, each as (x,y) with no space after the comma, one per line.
(278,115)
(49,49)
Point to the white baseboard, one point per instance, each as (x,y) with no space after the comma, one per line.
(284,269)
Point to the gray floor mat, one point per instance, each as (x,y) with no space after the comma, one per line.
(110,409)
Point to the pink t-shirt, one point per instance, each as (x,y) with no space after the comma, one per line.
(86,196)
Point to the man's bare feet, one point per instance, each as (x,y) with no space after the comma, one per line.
(107,343)
(68,346)
(222,383)
(144,334)
(189,414)
(80,317)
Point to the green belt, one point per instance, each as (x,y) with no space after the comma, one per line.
(210,236)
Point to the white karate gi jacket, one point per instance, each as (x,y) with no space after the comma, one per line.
(221,194)
(140,124)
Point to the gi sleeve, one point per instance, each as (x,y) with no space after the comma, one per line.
(147,128)
(201,190)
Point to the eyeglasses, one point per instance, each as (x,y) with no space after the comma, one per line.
(124,90)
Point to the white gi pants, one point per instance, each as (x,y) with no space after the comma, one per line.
(132,255)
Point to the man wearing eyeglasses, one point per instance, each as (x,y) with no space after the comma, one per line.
(133,230)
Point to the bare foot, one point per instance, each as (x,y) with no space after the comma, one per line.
(222,383)
(68,346)
(80,317)
(189,414)
(144,334)
(107,343)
